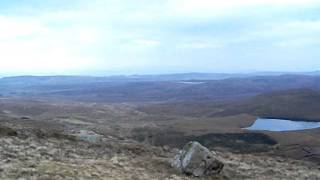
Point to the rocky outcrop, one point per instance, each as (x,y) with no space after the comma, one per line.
(196,160)
(89,136)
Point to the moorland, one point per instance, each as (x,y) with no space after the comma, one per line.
(153,116)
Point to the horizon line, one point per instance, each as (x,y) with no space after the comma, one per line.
(160,74)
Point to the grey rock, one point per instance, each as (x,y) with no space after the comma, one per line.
(88,136)
(166,148)
(44,177)
(196,160)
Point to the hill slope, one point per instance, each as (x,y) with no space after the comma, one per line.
(290,104)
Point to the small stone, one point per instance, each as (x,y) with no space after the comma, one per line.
(31,164)
(114,160)
(87,174)
(33,145)
(89,136)
(44,177)
(166,148)
(57,177)
(52,152)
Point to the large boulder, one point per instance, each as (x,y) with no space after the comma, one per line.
(196,160)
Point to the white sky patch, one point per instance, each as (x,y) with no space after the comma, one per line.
(147,42)
(200,45)
(26,45)
(218,8)
(87,35)
(298,43)
(14,28)
(37,56)
(290,31)
(301,26)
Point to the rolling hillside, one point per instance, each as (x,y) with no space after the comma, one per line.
(114,90)
(290,104)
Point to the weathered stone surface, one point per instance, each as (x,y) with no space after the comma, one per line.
(195,159)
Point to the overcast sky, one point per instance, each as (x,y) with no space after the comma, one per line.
(158,36)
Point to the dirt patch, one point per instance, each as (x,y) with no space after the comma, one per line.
(6,131)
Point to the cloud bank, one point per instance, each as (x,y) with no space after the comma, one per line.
(151,36)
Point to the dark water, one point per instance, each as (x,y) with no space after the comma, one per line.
(282,125)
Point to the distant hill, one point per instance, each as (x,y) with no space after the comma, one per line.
(120,89)
(147,77)
(290,104)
